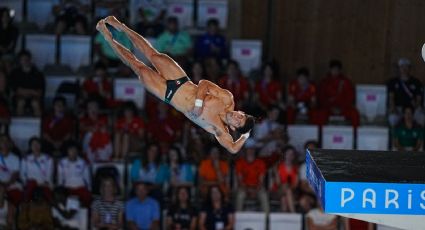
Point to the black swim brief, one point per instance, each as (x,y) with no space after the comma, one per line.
(173,86)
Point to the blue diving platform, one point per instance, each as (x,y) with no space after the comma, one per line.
(377,186)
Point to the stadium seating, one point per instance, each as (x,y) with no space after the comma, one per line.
(129,89)
(337,137)
(21,130)
(300,134)
(250,220)
(42,48)
(40,12)
(75,51)
(248,53)
(17,6)
(372,138)
(217,9)
(371,101)
(287,221)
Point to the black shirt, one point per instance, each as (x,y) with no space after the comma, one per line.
(8,36)
(405,92)
(33,79)
(182,217)
(217,219)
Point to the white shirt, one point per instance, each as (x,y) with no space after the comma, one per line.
(8,165)
(319,217)
(73,174)
(39,169)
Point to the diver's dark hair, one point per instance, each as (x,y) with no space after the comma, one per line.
(249,124)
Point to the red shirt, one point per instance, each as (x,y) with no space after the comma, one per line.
(99,123)
(288,176)
(336,92)
(301,94)
(131,127)
(238,88)
(250,172)
(164,130)
(58,127)
(90,86)
(268,92)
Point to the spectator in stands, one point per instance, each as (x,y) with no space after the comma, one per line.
(405,90)
(129,132)
(235,83)
(7,210)
(74,174)
(251,172)
(9,33)
(182,215)
(177,171)
(213,172)
(58,126)
(35,214)
(174,42)
(65,210)
(148,169)
(408,135)
(302,98)
(152,15)
(28,84)
(107,211)
(9,170)
(212,43)
(197,71)
(216,214)
(142,212)
(269,131)
(317,219)
(286,179)
(269,88)
(71,16)
(336,96)
(4,102)
(306,202)
(97,143)
(99,85)
(37,171)
(104,51)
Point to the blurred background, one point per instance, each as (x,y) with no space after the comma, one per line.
(83,146)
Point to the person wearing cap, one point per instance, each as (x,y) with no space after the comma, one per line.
(250,172)
(404,90)
(336,96)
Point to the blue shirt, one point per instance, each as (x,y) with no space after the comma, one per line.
(203,46)
(154,174)
(142,213)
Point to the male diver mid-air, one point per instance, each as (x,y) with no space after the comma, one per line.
(206,104)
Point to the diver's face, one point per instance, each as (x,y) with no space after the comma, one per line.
(236,119)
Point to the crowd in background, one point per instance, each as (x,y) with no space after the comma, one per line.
(173,164)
